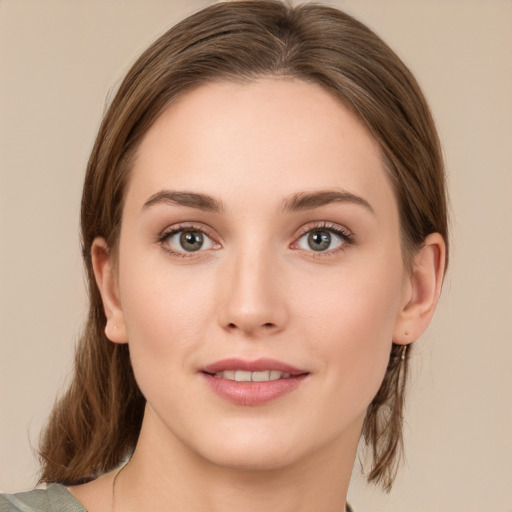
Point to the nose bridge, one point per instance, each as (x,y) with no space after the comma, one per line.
(252,301)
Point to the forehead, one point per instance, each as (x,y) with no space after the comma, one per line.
(271,137)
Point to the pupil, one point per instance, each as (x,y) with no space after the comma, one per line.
(319,240)
(191,240)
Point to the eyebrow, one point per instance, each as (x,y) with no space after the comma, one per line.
(310,200)
(298,202)
(190,199)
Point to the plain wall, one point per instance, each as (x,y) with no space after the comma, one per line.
(59,59)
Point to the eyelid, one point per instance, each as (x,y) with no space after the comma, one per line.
(328,226)
(186,226)
(338,230)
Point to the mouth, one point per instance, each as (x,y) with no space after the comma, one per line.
(245,376)
(252,382)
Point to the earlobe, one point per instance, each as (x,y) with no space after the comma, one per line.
(422,290)
(106,281)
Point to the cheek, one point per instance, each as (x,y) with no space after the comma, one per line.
(351,318)
(165,314)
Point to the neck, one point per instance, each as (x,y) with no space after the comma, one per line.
(173,477)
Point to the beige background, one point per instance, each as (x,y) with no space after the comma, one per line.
(58,60)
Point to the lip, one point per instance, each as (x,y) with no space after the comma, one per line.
(258,365)
(252,393)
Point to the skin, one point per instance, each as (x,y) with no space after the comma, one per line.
(257,289)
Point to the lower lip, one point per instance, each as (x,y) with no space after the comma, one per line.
(253,393)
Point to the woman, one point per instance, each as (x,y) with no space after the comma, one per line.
(264,230)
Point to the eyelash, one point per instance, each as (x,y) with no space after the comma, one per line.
(180,228)
(346,237)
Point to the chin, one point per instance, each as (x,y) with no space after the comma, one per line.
(252,460)
(250,453)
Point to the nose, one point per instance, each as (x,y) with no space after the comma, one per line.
(253,296)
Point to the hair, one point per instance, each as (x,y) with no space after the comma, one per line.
(96,423)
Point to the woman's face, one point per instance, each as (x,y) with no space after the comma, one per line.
(260,241)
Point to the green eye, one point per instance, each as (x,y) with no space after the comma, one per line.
(323,239)
(181,241)
(319,240)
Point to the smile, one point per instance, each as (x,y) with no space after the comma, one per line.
(246,376)
(252,383)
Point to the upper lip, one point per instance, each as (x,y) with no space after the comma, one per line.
(258,365)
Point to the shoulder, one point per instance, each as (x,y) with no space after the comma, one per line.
(55,498)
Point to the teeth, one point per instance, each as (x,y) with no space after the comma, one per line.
(241,376)
(260,376)
(244,376)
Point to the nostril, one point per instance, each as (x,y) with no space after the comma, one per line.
(267,325)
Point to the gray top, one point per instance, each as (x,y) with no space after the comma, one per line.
(55,498)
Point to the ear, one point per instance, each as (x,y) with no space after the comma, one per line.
(422,288)
(106,279)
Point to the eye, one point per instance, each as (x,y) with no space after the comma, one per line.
(187,240)
(323,239)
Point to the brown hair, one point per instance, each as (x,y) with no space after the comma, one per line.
(95,425)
